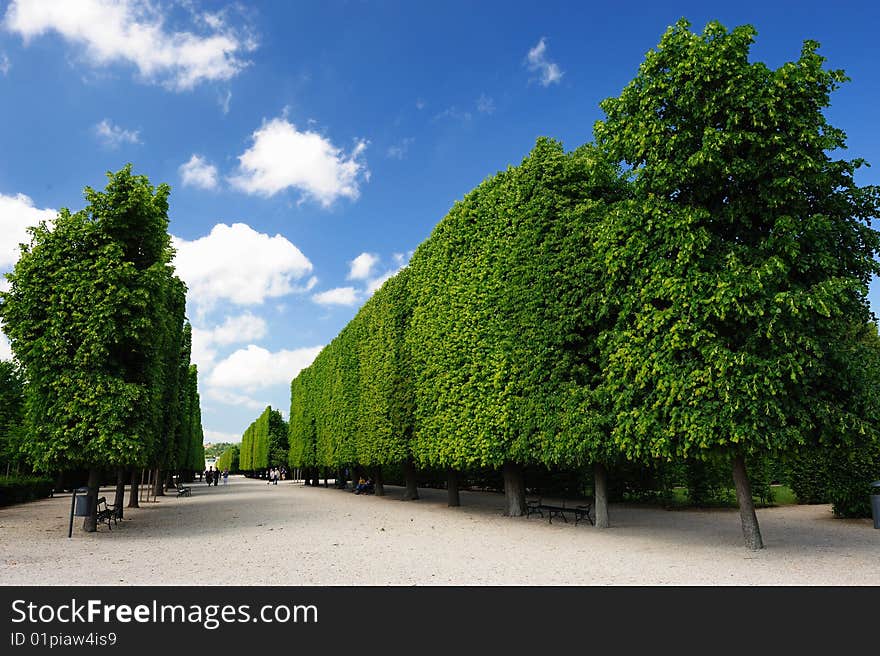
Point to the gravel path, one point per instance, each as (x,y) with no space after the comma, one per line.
(250,533)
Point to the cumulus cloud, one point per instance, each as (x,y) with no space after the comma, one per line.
(283,157)
(234,329)
(236,263)
(232,398)
(17,213)
(243,328)
(254,367)
(347,296)
(361,267)
(215,437)
(110,31)
(198,172)
(537,62)
(114,136)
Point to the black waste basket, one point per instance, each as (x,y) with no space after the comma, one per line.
(82,502)
(875,503)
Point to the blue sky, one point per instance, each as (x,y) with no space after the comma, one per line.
(311,146)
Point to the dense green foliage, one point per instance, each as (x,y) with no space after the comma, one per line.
(216,449)
(265,443)
(737,274)
(690,290)
(11,413)
(17,489)
(229,459)
(95,316)
(279,444)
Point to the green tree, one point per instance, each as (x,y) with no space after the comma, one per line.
(386,397)
(11,414)
(503,328)
(302,431)
(87,298)
(261,440)
(738,272)
(229,459)
(279,446)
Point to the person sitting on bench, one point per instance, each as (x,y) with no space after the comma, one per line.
(363,486)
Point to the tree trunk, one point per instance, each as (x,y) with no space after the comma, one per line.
(600,495)
(159,489)
(452,488)
(378,485)
(514,490)
(751,530)
(412,489)
(133,501)
(316,481)
(326,484)
(90,521)
(120,491)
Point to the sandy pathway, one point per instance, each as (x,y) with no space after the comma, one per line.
(250,533)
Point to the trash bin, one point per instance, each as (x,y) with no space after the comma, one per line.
(875,503)
(82,502)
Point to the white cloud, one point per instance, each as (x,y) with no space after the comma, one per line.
(232,398)
(485,104)
(134,32)
(243,328)
(537,62)
(4,63)
(375,283)
(233,330)
(17,213)
(215,437)
(338,296)
(399,150)
(114,136)
(361,267)
(420,104)
(238,264)
(198,172)
(254,367)
(202,352)
(282,157)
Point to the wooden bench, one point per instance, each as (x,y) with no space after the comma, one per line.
(105,512)
(580,512)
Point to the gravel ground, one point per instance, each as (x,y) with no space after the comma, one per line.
(250,533)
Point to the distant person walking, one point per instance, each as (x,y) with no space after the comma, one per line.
(225,476)
(209,475)
(275,476)
(216,477)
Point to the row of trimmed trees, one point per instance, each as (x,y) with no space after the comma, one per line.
(95,317)
(264,444)
(693,285)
